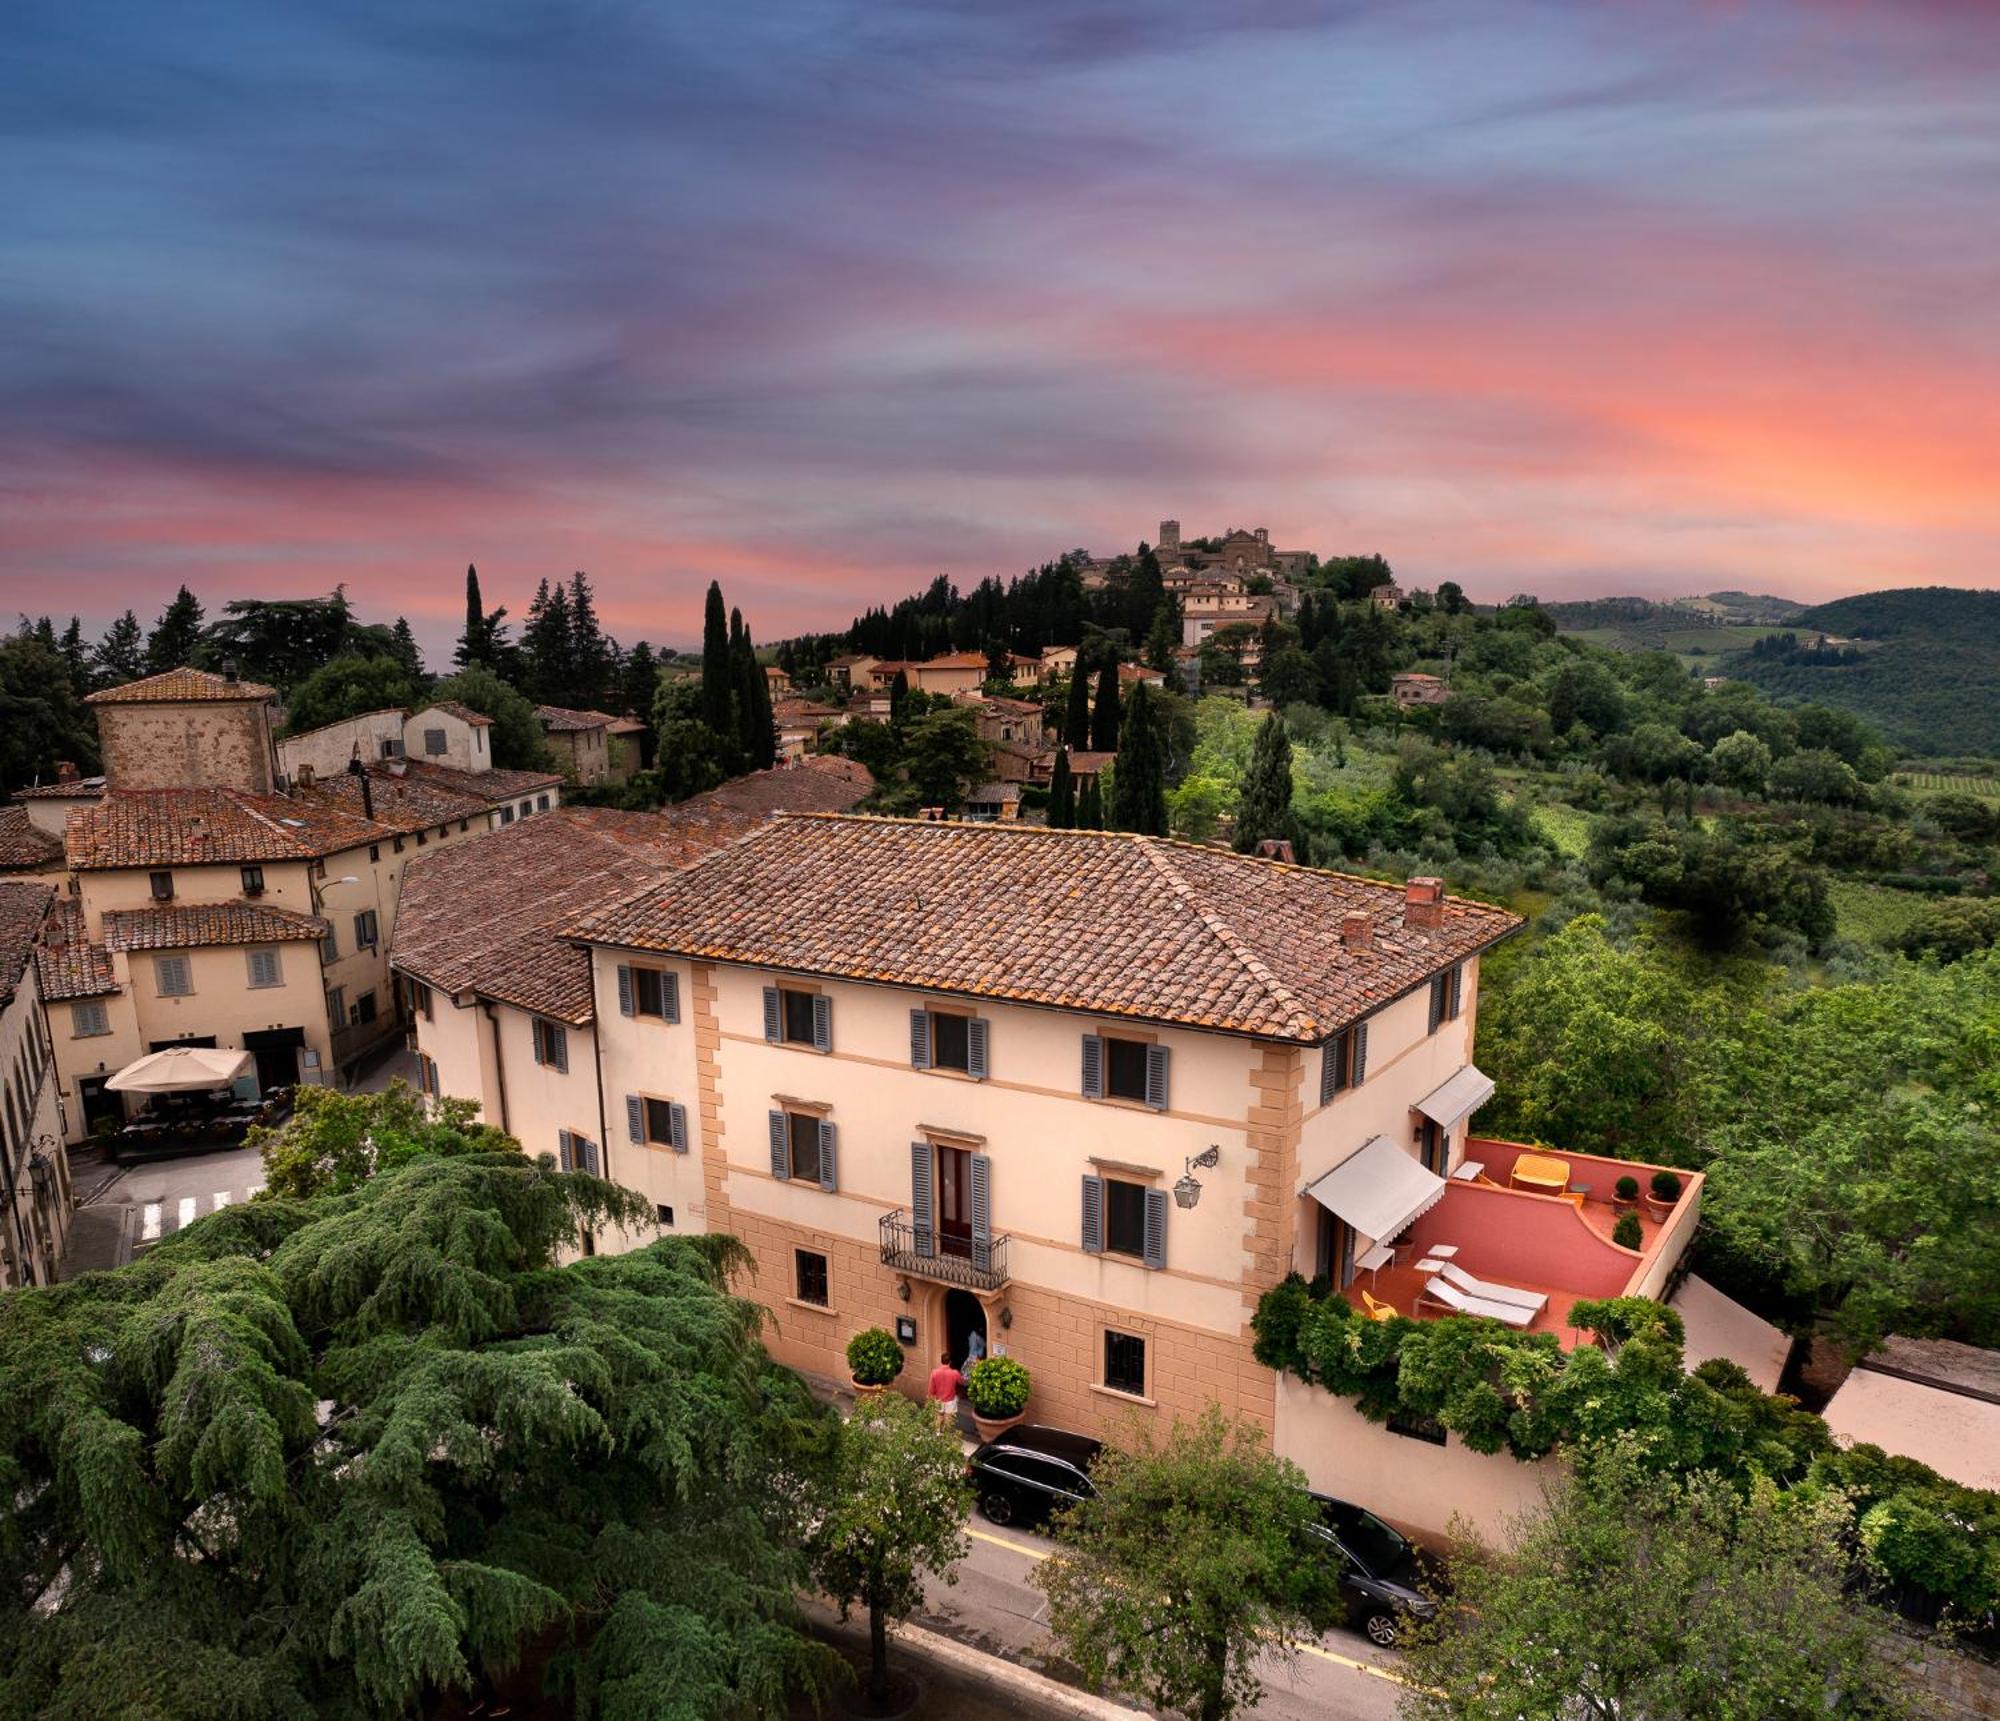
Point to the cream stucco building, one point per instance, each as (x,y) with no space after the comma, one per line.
(35,1200)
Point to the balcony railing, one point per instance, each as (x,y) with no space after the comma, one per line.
(977,1263)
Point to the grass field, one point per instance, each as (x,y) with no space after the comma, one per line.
(1692,645)
(1948,782)
(1568,828)
(1867,913)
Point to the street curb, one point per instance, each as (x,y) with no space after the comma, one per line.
(997,1670)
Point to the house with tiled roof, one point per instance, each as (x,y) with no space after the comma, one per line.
(27,850)
(35,1201)
(952,673)
(580,741)
(188,727)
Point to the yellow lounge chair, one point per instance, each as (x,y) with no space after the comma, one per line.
(1377,1309)
(1542,1171)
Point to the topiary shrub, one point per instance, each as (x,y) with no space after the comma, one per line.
(1628,1233)
(1666,1187)
(1626,1188)
(998,1388)
(873,1357)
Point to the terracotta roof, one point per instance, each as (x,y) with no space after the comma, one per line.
(464,713)
(1097,921)
(823,783)
(627,726)
(76,788)
(404,803)
(953,660)
(24,845)
(488,787)
(565,722)
(23,908)
(189,926)
(179,687)
(191,827)
(71,966)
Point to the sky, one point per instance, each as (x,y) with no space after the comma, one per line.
(822,299)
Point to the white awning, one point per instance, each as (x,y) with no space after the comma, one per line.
(1459,1098)
(1380,1191)
(181,1070)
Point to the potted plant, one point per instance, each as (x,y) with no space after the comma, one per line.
(1661,1195)
(1628,1233)
(997,1389)
(874,1359)
(1625,1194)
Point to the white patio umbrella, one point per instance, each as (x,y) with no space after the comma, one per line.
(181,1070)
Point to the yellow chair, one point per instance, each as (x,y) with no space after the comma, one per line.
(1542,1171)
(1377,1309)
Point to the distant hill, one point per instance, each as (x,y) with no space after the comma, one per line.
(1930,680)
(1699,631)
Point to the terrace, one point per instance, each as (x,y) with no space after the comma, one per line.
(1558,1244)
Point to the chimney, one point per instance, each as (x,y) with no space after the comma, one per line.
(1357,931)
(305,776)
(1423,902)
(66,771)
(1277,849)
(229,669)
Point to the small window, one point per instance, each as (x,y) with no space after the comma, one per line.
(810,1270)
(1343,1062)
(427,1076)
(419,996)
(264,969)
(367,929)
(163,886)
(551,1044)
(1125,1363)
(364,1008)
(951,1042)
(174,978)
(434,742)
(1125,1069)
(527,807)
(329,944)
(802,1132)
(88,1019)
(336,1006)
(1445,996)
(506,815)
(649,994)
(374,853)
(464,825)
(396,845)
(422,838)
(664,1214)
(1417,1427)
(798,1016)
(253,881)
(541,803)
(659,1119)
(1124,1218)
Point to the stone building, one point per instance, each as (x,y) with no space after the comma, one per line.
(188,729)
(35,1202)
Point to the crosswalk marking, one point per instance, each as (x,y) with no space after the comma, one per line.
(149,1232)
(163,1218)
(220,1199)
(188,1204)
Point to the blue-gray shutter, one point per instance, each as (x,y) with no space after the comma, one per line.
(822,1022)
(586,1153)
(1439,987)
(1156,1228)
(982,1212)
(635,1117)
(670,995)
(923,1217)
(565,1156)
(677,1126)
(920,1039)
(829,1175)
(781,1157)
(1457,981)
(1329,1069)
(1093,1215)
(1360,1054)
(975,1047)
(1093,1067)
(1156,1077)
(771,1020)
(625,1005)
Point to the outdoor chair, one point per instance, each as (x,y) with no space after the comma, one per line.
(1542,1171)
(1451,1297)
(1377,1309)
(1533,1301)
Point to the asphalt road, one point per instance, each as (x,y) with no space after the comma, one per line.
(1342,1677)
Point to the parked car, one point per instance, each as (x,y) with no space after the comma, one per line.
(1380,1580)
(1030,1472)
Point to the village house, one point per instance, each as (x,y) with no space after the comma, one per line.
(580,741)
(27,851)
(448,743)
(778,680)
(851,671)
(1018,722)
(1388,597)
(35,1202)
(1239,554)
(956,672)
(1410,689)
(997,802)
(801,723)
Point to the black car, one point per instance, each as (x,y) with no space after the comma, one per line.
(1380,1579)
(1030,1472)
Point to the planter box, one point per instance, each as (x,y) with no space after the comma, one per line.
(993,1428)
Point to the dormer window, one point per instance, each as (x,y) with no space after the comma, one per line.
(163,886)
(253,881)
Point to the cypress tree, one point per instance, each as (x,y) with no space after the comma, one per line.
(1062,794)
(472,643)
(1076,719)
(178,633)
(1139,787)
(1264,810)
(1162,638)
(899,695)
(1105,722)
(718,682)
(756,736)
(1090,807)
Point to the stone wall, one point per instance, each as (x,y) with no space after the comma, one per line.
(205,744)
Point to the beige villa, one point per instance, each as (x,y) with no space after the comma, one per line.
(35,1203)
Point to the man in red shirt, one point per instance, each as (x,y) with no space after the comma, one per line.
(944,1384)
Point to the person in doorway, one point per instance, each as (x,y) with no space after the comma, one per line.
(975,1348)
(944,1385)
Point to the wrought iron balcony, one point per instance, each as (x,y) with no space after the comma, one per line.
(977,1263)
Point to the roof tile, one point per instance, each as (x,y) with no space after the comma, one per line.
(180,687)
(71,966)
(192,827)
(190,926)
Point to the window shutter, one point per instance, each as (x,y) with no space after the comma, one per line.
(1093,1067)
(1360,1053)
(781,1158)
(1457,982)
(829,1143)
(975,1047)
(677,1126)
(920,1039)
(564,1154)
(670,995)
(982,1211)
(586,1153)
(822,1022)
(1329,1070)
(1156,1077)
(1438,988)
(559,1048)
(771,1014)
(1156,1228)
(922,1214)
(635,1118)
(1093,1215)
(625,1005)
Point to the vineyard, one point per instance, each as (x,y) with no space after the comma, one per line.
(1949,782)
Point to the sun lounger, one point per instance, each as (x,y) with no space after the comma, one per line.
(1542,1171)
(1533,1301)
(1440,1290)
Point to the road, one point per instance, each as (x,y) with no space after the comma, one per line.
(130,1208)
(1341,1677)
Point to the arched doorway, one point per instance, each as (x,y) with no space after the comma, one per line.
(964,1315)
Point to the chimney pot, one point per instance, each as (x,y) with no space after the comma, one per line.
(1357,930)
(229,669)
(1423,902)
(1276,848)
(66,771)
(305,776)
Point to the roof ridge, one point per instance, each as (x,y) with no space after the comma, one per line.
(1280,994)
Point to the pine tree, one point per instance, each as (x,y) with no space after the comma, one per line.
(1264,808)
(176,635)
(1090,806)
(638,687)
(1106,726)
(1062,794)
(592,653)
(76,656)
(406,651)
(718,679)
(548,648)
(121,654)
(1139,781)
(899,697)
(1163,638)
(1076,718)
(484,642)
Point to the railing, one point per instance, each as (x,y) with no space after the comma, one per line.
(977,1263)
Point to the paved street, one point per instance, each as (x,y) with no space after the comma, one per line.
(993,1606)
(130,1208)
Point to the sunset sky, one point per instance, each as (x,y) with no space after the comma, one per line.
(1647,296)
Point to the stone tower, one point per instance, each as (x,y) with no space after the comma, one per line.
(187,729)
(1169,547)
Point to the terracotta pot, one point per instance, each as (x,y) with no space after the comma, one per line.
(990,1429)
(1661,1211)
(864,1391)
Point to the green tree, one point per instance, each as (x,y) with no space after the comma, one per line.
(1106,723)
(42,720)
(1451,598)
(121,654)
(943,757)
(690,759)
(1630,1595)
(334,1142)
(1741,760)
(1139,782)
(1062,794)
(548,648)
(1090,806)
(1289,677)
(483,644)
(405,650)
(1815,774)
(718,681)
(593,654)
(891,1508)
(1264,808)
(1192,1560)
(516,736)
(1162,639)
(176,635)
(1076,715)
(757,734)
(283,640)
(348,687)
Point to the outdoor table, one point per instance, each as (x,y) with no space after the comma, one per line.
(1467,1171)
(1432,1264)
(1441,1251)
(1375,1260)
